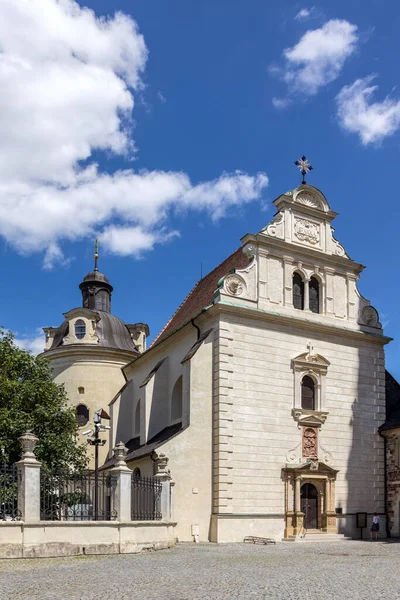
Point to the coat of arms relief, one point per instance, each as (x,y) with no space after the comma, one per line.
(306,231)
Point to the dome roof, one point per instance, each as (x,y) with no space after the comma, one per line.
(96,276)
(111,331)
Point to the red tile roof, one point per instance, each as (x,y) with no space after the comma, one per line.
(202,294)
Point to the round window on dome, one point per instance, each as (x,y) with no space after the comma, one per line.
(80,329)
(82,415)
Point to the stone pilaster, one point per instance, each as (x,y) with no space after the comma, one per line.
(163,474)
(121,489)
(223,420)
(29,479)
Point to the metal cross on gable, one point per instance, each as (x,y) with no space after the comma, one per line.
(304,167)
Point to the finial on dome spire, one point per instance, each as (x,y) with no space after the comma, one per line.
(96,253)
(304,167)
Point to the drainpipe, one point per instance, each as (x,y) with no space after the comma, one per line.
(198,328)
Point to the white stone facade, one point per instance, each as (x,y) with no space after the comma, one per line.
(247,446)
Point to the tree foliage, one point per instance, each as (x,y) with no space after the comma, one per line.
(29,399)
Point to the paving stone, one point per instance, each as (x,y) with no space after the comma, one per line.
(356,570)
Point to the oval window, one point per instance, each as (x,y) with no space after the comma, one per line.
(82,415)
(80,329)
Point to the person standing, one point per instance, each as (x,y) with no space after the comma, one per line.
(374,527)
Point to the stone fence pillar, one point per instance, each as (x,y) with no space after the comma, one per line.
(163,474)
(29,479)
(121,477)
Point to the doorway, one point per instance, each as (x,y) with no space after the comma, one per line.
(309,505)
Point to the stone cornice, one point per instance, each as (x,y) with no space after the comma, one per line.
(290,321)
(280,248)
(88,352)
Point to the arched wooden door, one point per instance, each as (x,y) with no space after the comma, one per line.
(309,505)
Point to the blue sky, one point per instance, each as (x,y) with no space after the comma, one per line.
(186,108)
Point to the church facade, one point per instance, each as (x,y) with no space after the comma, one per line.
(266,389)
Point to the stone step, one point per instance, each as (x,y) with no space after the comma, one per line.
(317,537)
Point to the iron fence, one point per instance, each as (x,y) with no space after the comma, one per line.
(9,493)
(82,496)
(146,499)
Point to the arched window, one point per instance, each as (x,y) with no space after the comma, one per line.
(176,401)
(298,292)
(82,415)
(137,419)
(81,390)
(314,295)
(80,329)
(136,472)
(307,393)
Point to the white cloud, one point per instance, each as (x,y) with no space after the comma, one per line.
(127,241)
(34,344)
(372,121)
(281,103)
(303,14)
(68,81)
(319,56)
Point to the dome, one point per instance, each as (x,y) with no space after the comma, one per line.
(111,331)
(96,276)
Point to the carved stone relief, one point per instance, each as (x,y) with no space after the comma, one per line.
(308,200)
(369,316)
(306,231)
(310,442)
(295,455)
(234,285)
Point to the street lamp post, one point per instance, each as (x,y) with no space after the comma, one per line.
(96,442)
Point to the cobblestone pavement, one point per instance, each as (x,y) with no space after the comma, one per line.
(317,571)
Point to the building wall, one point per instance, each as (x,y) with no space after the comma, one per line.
(101,378)
(255,429)
(393,480)
(190,451)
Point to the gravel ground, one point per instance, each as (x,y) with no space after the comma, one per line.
(328,571)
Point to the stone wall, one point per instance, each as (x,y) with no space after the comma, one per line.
(393,480)
(54,538)
(257,433)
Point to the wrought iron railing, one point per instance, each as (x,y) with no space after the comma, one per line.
(9,493)
(77,496)
(146,499)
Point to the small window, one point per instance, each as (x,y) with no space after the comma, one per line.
(81,390)
(308,393)
(136,472)
(80,329)
(176,401)
(298,292)
(314,295)
(82,415)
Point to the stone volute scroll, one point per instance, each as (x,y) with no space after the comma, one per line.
(241,284)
